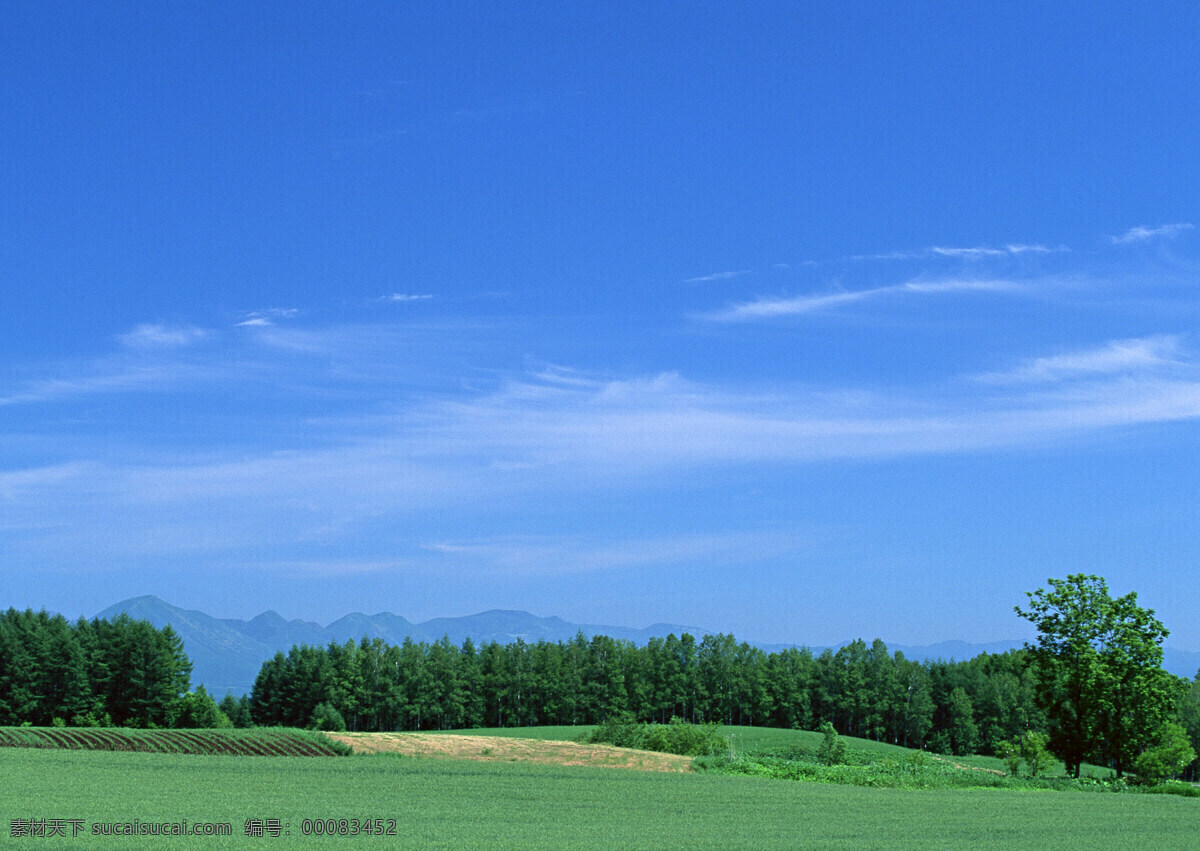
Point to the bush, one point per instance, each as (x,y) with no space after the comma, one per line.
(620,731)
(1171,754)
(90,719)
(326,718)
(678,737)
(1010,752)
(197,710)
(833,749)
(1036,753)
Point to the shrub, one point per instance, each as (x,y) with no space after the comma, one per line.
(619,730)
(833,749)
(1037,756)
(90,719)
(1171,754)
(680,737)
(197,710)
(677,737)
(326,718)
(1010,752)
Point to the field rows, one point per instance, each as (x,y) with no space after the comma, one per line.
(270,742)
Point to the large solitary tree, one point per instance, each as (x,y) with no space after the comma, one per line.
(1099,664)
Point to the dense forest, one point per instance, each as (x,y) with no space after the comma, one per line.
(125,672)
(960,707)
(120,672)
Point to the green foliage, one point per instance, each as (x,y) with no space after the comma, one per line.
(619,730)
(237,710)
(1036,753)
(1187,713)
(963,732)
(198,710)
(916,771)
(1030,747)
(1174,787)
(90,719)
(680,737)
(1171,753)
(1010,752)
(862,690)
(121,671)
(677,737)
(1099,662)
(327,718)
(833,749)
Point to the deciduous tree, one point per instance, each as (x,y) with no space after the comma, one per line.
(1099,662)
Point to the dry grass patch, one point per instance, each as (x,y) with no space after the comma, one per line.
(962,767)
(498,749)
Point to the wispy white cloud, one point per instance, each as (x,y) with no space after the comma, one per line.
(722,276)
(1142,233)
(152,336)
(969,253)
(557,554)
(888,255)
(570,433)
(768,308)
(1137,355)
(364,359)
(259,318)
(427,423)
(402,297)
(13,482)
(1019,248)
(979,252)
(109,377)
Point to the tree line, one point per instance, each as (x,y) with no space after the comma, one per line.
(862,689)
(119,672)
(1093,685)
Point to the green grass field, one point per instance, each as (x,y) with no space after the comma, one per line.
(455,804)
(756,739)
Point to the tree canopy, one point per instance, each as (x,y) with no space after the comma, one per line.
(120,671)
(1100,676)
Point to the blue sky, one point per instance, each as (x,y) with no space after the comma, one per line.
(803,321)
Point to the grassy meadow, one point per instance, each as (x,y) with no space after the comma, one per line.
(750,740)
(454,803)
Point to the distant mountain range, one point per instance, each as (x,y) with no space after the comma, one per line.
(227,653)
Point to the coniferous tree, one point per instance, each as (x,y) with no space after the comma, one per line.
(18,697)
(237,710)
